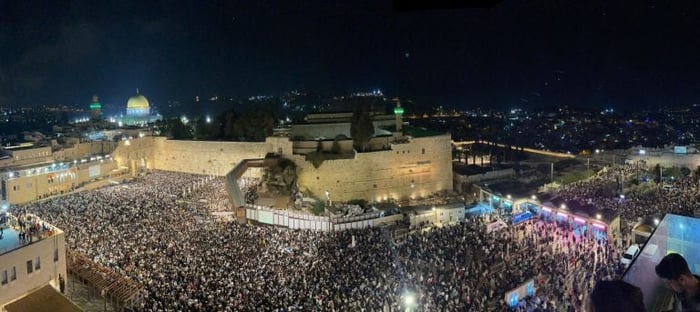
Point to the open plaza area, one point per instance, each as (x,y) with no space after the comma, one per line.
(169,240)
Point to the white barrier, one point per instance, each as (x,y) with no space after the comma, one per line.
(295,220)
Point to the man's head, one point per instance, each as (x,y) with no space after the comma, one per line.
(615,296)
(673,269)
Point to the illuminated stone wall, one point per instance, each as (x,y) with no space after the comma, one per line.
(667,160)
(83,150)
(207,157)
(416,169)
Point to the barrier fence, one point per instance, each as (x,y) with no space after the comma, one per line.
(294,220)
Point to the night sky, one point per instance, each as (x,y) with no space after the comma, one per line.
(630,54)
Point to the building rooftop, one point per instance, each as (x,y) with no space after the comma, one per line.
(10,238)
(580,209)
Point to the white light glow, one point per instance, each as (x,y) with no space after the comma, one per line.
(409,300)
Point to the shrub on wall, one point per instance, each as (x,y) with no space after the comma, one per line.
(319,207)
(335,149)
(316,158)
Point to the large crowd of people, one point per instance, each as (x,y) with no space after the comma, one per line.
(159,231)
(605,190)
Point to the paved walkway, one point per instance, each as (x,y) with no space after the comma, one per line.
(79,293)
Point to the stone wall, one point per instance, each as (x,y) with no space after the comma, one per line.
(199,157)
(489,175)
(207,157)
(667,160)
(82,150)
(415,169)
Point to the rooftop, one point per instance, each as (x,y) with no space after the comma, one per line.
(578,208)
(10,238)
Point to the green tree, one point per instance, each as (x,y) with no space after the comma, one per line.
(673,173)
(178,130)
(203,130)
(319,207)
(657,172)
(316,158)
(254,125)
(361,126)
(229,119)
(335,148)
(685,171)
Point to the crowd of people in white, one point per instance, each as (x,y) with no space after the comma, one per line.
(603,190)
(156,233)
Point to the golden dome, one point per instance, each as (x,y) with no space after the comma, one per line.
(137,101)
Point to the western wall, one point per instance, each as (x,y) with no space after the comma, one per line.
(414,169)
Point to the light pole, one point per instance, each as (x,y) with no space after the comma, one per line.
(551,173)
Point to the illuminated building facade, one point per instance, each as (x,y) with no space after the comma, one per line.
(138,112)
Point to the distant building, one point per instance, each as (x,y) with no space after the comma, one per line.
(138,112)
(95,109)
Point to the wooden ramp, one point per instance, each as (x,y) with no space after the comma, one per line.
(120,291)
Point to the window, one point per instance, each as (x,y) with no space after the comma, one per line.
(55,255)
(13,274)
(4,277)
(422,150)
(30,267)
(37,265)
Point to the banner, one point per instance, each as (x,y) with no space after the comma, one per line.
(94,171)
(495,226)
(523,291)
(265,217)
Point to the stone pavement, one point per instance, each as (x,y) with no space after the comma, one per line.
(80,294)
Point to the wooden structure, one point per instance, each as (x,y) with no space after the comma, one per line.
(121,292)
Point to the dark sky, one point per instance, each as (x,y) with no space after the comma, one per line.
(517,53)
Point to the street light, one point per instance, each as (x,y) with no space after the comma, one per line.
(409,300)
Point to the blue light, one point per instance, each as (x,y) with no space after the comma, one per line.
(530,289)
(513,301)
